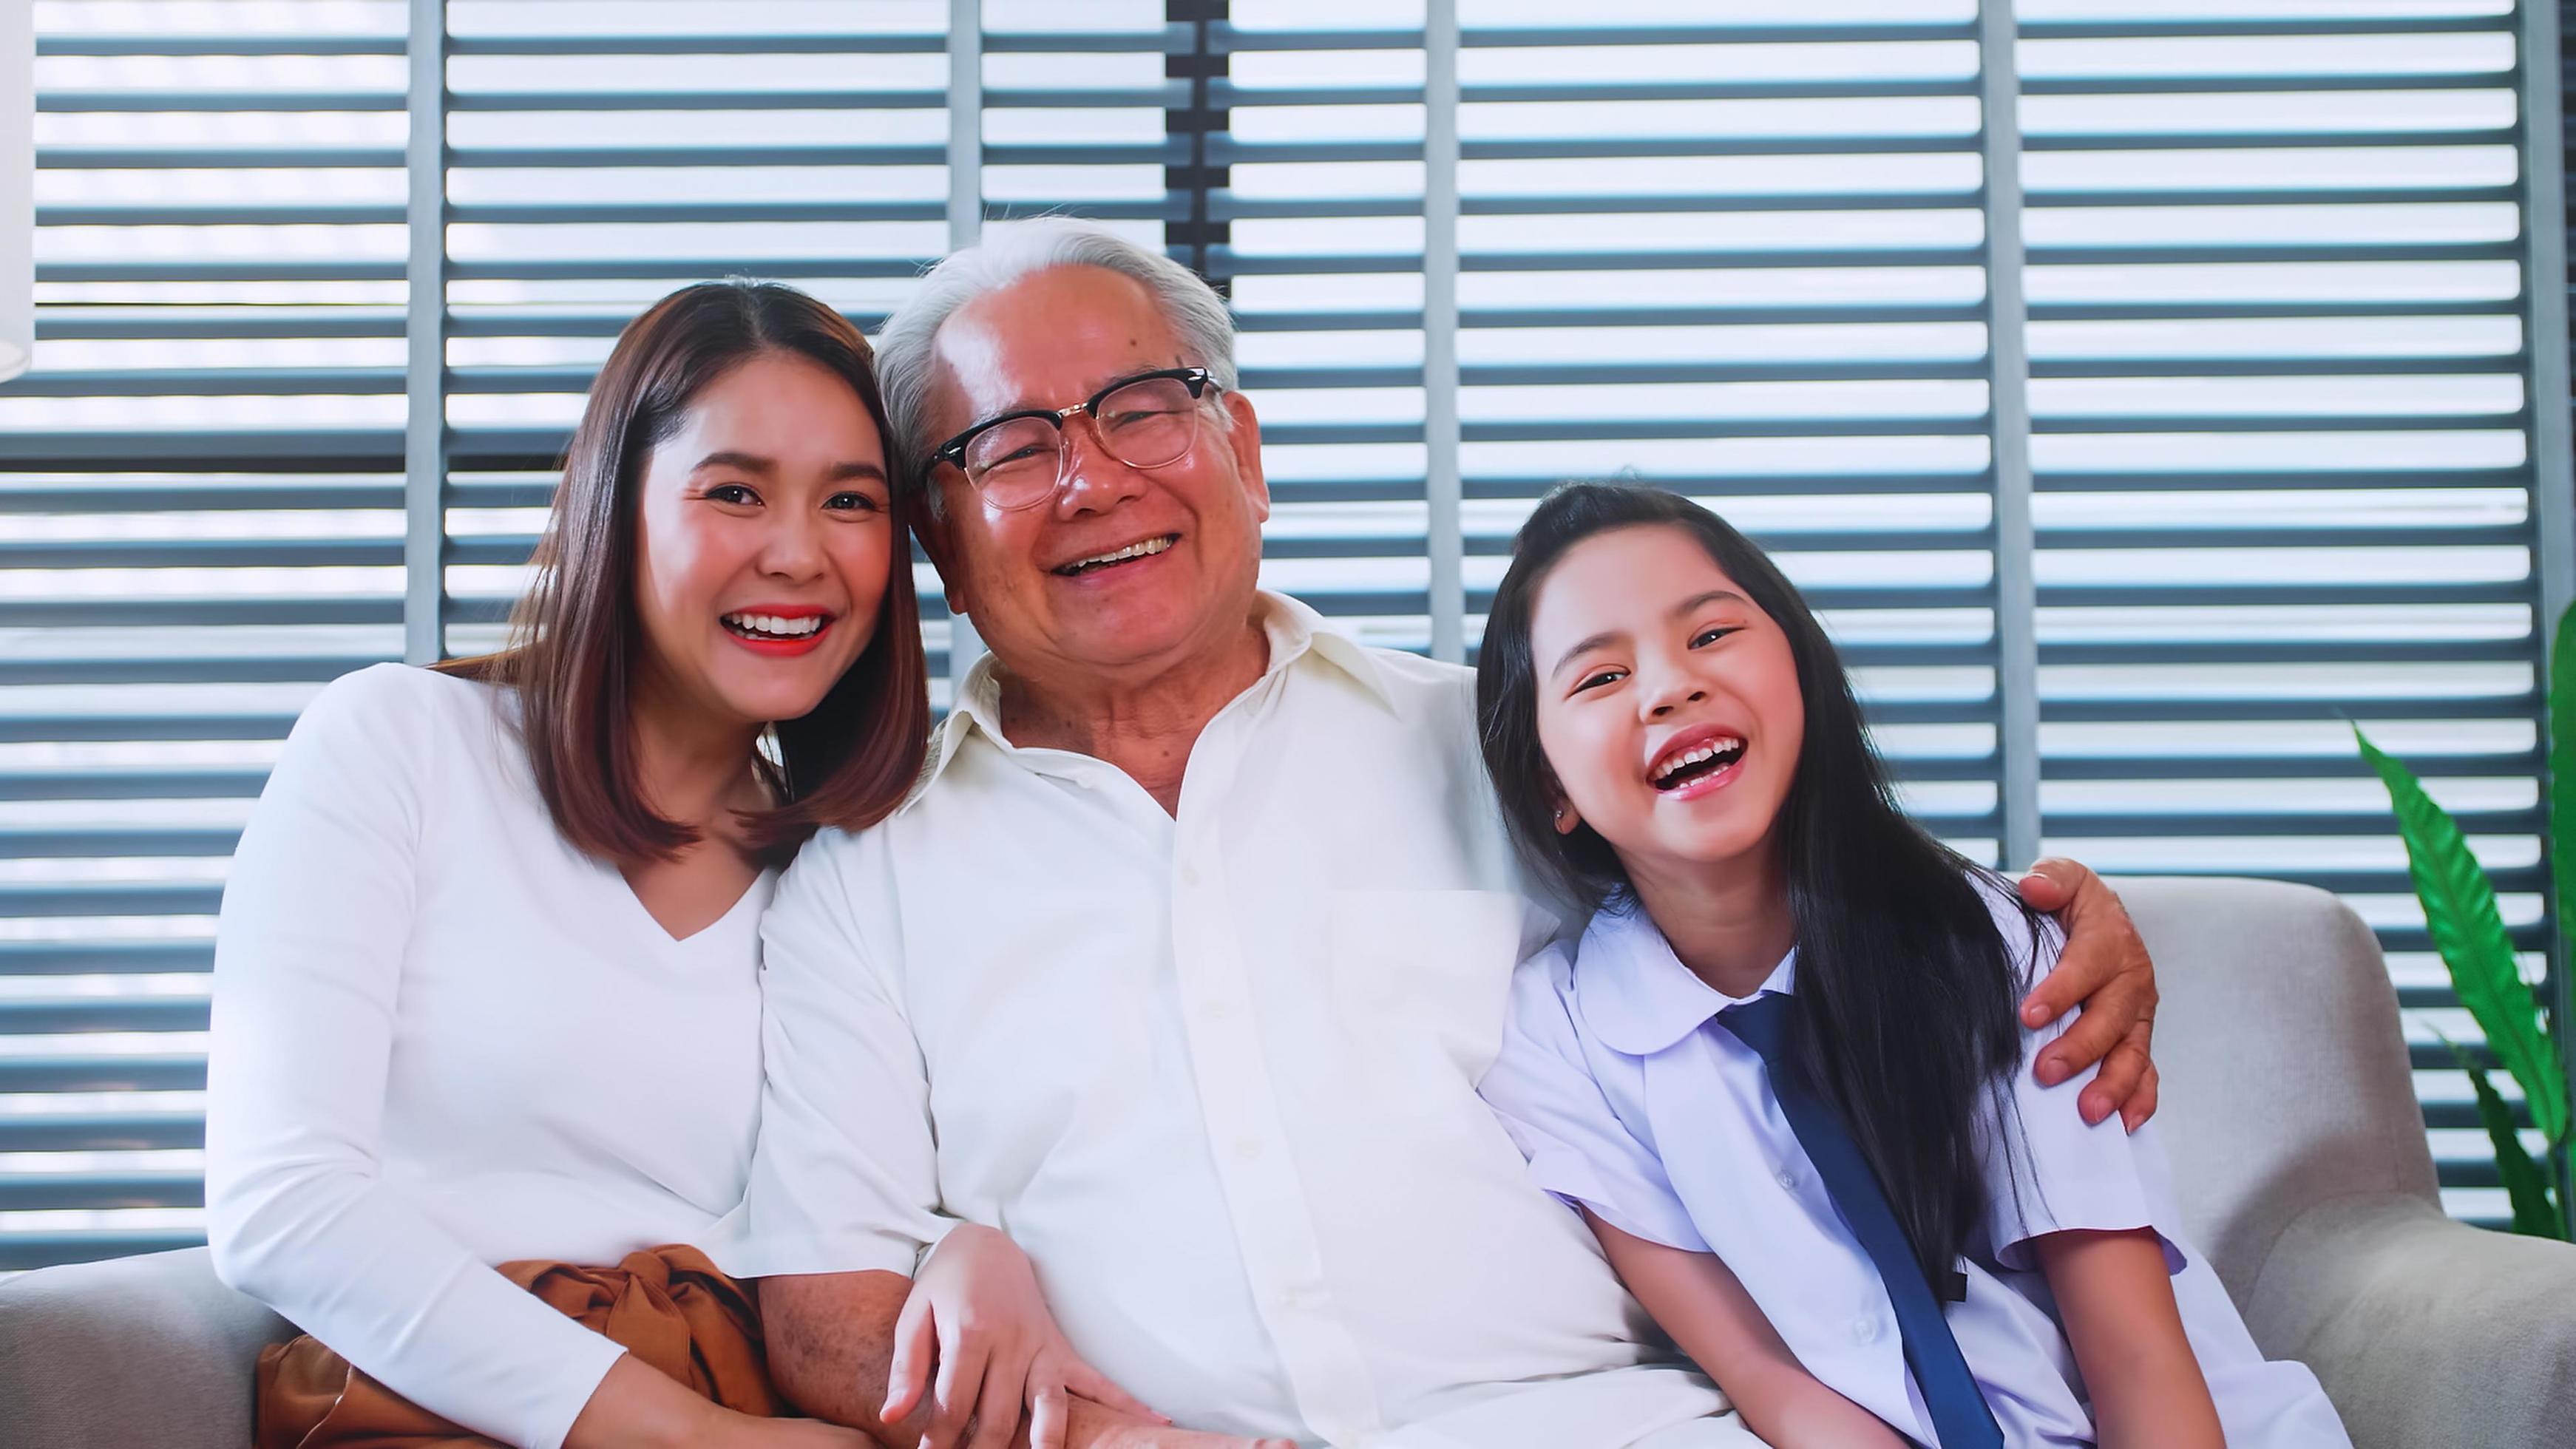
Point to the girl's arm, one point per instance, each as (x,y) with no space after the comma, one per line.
(1700,1303)
(2115,1295)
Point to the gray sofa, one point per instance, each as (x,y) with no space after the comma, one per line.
(2298,1153)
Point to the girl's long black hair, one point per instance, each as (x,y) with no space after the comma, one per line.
(1906,988)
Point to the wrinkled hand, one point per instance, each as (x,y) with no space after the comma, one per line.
(977,1317)
(2104,969)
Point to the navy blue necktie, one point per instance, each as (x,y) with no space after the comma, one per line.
(1960,1417)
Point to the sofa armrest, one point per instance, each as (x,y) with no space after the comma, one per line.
(148,1350)
(2423,1330)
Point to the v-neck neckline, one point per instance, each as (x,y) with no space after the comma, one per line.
(635,903)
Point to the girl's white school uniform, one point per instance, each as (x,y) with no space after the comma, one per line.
(443,1039)
(1630,1098)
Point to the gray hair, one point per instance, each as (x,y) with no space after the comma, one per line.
(1009,254)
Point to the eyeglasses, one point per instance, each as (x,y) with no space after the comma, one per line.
(1018,460)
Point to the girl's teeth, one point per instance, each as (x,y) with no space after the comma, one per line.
(1692,757)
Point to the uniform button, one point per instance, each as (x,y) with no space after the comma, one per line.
(1247,1148)
(1212,1009)
(1864,1329)
(1190,876)
(1789,1181)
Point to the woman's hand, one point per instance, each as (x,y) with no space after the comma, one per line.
(2104,969)
(637,1406)
(751,1433)
(976,1313)
(1096,1426)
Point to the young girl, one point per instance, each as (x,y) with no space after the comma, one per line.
(1780,1073)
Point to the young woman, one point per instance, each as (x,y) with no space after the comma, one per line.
(487,1009)
(1780,1075)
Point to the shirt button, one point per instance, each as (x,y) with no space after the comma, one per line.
(1247,1148)
(1789,1181)
(1864,1329)
(1190,876)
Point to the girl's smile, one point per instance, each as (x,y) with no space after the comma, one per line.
(1698,761)
(1668,703)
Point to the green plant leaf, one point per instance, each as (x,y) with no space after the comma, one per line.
(2525,1185)
(2460,910)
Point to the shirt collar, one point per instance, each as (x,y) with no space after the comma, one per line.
(1637,996)
(1292,629)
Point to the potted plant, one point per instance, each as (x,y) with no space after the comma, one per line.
(2467,929)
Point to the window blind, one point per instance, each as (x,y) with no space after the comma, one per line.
(2283,445)
(2143,392)
(200,521)
(599,156)
(1748,260)
(1324,257)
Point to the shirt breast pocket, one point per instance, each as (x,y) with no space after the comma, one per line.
(1424,976)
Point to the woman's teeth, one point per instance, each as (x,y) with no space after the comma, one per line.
(1688,762)
(773,626)
(1134,550)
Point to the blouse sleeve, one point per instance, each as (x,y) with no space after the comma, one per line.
(1543,1088)
(2046,1170)
(845,1177)
(309,955)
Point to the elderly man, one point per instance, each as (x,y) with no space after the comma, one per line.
(1183,961)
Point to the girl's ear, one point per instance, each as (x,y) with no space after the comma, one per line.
(1565,819)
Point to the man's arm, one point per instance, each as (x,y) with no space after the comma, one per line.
(2105,970)
(831,1347)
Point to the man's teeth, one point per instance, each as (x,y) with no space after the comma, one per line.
(774,625)
(1133,550)
(1690,757)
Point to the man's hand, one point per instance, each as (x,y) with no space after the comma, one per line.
(2104,969)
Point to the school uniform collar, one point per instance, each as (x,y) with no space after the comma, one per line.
(1293,630)
(1637,996)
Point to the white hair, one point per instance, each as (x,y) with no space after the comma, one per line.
(1005,257)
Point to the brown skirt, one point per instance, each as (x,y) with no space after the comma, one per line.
(667,1306)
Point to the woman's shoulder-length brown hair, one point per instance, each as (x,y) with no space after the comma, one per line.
(576,640)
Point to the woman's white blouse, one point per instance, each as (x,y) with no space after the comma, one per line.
(444,1039)
(1629,1098)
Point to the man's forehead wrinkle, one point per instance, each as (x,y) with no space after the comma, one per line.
(978,373)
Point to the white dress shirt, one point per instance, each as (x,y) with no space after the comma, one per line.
(1630,1098)
(1214,1071)
(445,1039)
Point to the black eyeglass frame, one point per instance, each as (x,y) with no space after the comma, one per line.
(1197,379)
